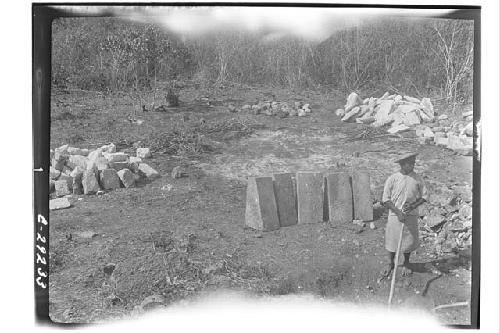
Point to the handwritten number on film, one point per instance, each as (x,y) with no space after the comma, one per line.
(41,253)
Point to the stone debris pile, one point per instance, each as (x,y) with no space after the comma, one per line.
(394,109)
(411,116)
(275,108)
(448,227)
(81,171)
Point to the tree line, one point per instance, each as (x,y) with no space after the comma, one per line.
(424,57)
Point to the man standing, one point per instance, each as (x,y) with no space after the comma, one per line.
(404,191)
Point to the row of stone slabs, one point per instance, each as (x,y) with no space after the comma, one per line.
(284,200)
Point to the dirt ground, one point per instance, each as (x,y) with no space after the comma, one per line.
(180,238)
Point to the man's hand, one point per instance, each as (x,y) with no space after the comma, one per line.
(408,208)
(401,216)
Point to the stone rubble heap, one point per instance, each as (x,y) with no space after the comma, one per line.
(275,108)
(448,227)
(81,171)
(407,114)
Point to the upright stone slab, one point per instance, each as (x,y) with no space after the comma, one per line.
(286,199)
(261,211)
(362,198)
(89,182)
(339,198)
(309,197)
(109,179)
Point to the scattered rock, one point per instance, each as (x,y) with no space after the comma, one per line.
(119,165)
(427,107)
(89,182)
(108,269)
(398,129)
(77,151)
(352,100)
(134,159)
(443,117)
(109,179)
(126,177)
(110,148)
(143,153)
(340,112)
(87,234)
(54,173)
(231,108)
(382,115)
(77,160)
(350,115)
(435,220)
(147,171)
(424,131)
(116,157)
(59,203)
(302,113)
(63,187)
(467,114)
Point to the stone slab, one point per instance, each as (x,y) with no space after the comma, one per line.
(89,182)
(286,199)
(339,198)
(126,177)
(109,179)
(59,203)
(309,197)
(362,198)
(147,171)
(261,211)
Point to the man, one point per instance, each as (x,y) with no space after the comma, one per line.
(404,191)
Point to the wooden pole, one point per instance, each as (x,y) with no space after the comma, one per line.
(396,261)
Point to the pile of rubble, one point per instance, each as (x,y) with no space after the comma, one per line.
(448,227)
(80,171)
(410,115)
(274,108)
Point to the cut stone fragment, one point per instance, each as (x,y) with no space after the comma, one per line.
(89,182)
(412,99)
(398,129)
(424,132)
(119,165)
(362,198)
(59,203)
(352,100)
(78,151)
(286,199)
(63,187)
(427,107)
(261,211)
(440,140)
(109,179)
(134,159)
(351,115)
(310,197)
(59,161)
(110,148)
(116,157)
(143,153)
(77,160)
(339,198)
(54,173)
(382,113)
(147,171)
(77,175)
(126,177)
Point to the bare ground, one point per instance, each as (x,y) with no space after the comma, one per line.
(180,238)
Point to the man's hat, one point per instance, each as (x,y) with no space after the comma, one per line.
(405,157)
